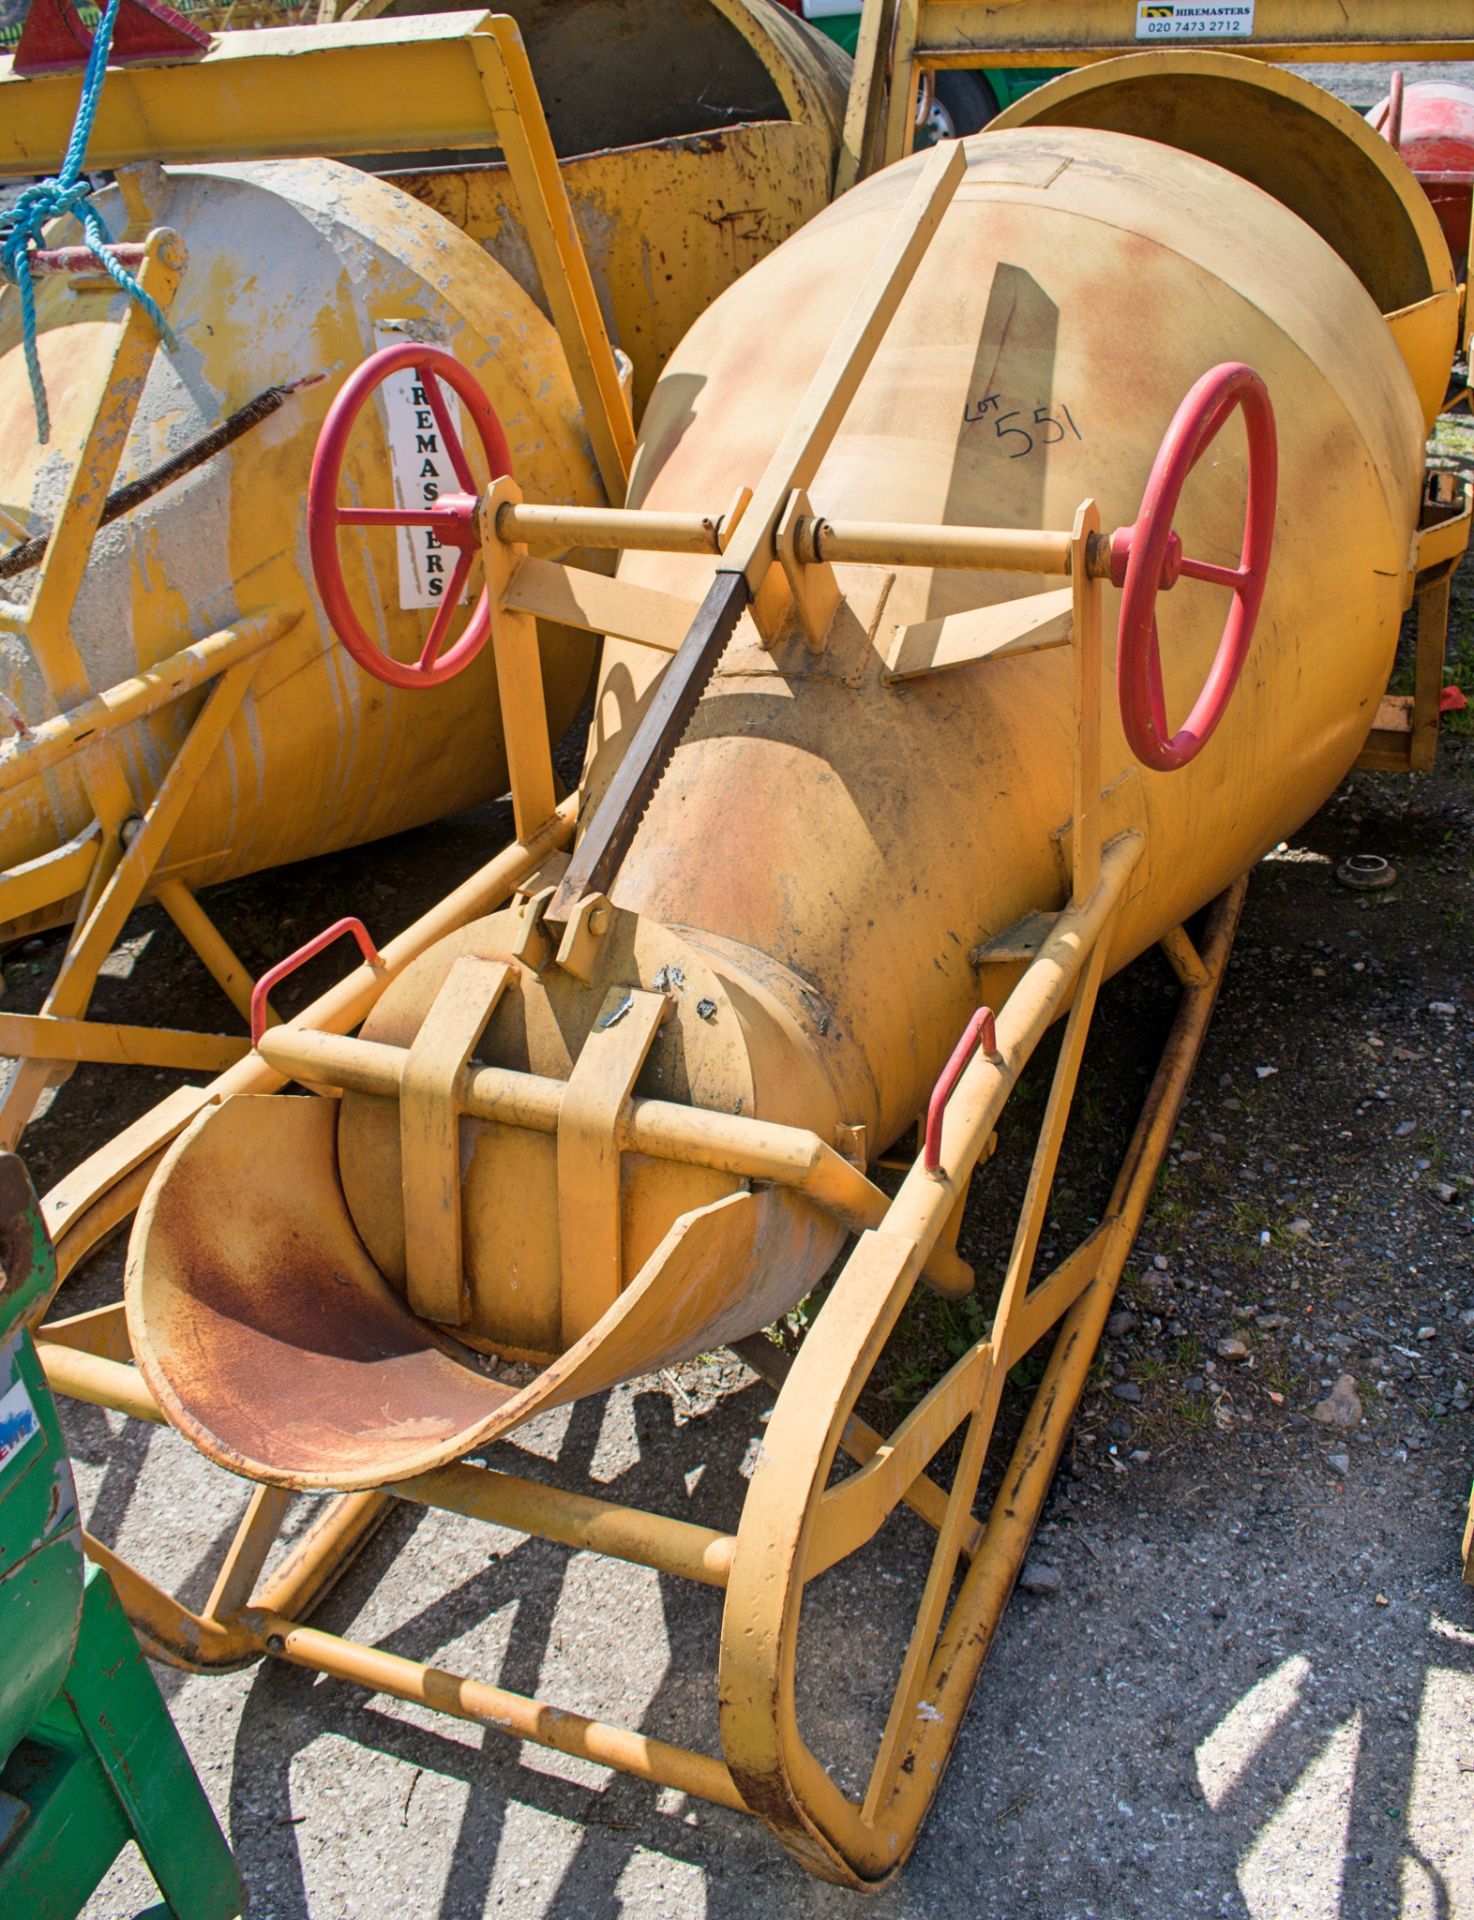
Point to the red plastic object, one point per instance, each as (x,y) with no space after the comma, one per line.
(981,1027)
(1452,700)
(55,39)
(453,515)
(273,975)
(1147,557)
(1436,139)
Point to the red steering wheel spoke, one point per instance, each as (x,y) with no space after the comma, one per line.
(451,517)
(1147,559)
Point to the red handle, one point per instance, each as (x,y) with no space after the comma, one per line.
(1147,558)
(981,1027)
(452,517)
(279,972)
(82,259)
(1389,122)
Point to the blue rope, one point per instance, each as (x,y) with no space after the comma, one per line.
(66,192)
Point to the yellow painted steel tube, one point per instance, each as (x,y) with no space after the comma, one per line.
(610,528)
(575,1520)
(99,1382)
(51,741)
(324,1552)
(635,1753)
(888,543)
(208,942)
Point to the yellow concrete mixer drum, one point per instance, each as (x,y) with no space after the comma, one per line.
(296,270)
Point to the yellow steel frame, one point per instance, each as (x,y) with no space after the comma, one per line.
(798,1522)
(115,862)
(1404,736)
(347,87)
(901,38)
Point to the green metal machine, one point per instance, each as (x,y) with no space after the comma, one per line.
(89,1758)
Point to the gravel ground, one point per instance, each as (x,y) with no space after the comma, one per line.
(1364,84)
(1242,1682)
(1246,1683)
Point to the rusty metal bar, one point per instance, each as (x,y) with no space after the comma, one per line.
(123,500)
(45,261)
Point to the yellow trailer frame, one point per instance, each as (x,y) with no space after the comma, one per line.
(798,1521)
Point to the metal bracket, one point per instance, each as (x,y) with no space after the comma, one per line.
(981,633)
(584,932)
(812,583)
(599,1087)
(430,1135)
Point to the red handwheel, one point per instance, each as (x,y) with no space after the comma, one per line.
(1147,557)
(452,516)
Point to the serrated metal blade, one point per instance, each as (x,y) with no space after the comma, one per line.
(606,840)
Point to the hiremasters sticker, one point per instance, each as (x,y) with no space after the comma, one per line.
(1174,20)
